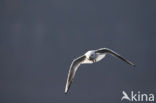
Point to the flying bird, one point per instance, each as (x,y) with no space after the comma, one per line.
(90,57)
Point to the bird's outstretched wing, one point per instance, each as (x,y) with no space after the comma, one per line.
(73,68)
(106,50)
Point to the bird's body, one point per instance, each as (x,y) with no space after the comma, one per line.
(90,57)
(95,56)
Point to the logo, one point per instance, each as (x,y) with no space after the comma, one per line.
(138,96)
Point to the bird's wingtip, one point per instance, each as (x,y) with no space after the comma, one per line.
(66,91)
(133,65)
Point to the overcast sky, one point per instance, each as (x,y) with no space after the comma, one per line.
(40,38)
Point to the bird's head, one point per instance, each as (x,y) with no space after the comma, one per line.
(90,55)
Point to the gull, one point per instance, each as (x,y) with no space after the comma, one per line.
(90,57)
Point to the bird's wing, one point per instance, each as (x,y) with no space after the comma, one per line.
(106,50)
(73,68)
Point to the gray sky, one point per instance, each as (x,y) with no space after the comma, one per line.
(39,39)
